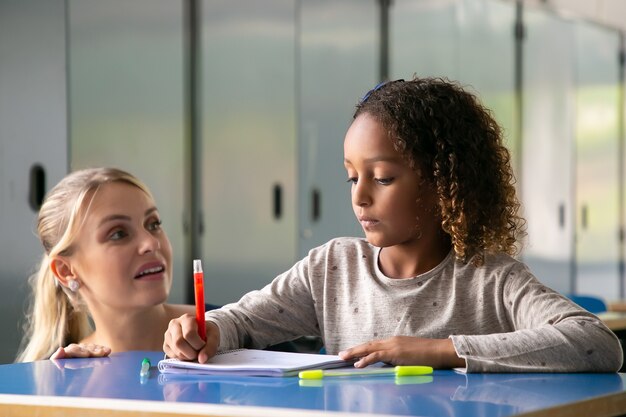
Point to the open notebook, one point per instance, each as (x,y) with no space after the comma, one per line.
(253,362)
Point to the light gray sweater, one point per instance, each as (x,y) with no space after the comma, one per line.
(499,316)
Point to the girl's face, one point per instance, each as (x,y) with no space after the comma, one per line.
(122,257)
(391,201)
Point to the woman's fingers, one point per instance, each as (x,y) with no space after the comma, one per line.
(81,350)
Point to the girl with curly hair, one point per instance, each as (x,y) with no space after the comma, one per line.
(434,281)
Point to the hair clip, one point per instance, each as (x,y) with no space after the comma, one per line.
(376,88)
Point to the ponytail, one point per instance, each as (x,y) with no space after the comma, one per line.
(56,318)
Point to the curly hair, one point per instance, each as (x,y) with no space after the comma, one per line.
(444,132)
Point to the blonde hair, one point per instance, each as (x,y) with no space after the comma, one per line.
(58,316)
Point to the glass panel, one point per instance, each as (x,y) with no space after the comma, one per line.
(248,139)
(474,45)
(486,59)
(33,131)
(597,96)
(126,100)
(548,137)
(423,39)
(622,180)
(335,39)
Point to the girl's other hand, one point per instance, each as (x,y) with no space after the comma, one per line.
(81,350)
(183,342)
(405,350)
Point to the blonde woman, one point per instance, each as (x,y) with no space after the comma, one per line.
(106,271)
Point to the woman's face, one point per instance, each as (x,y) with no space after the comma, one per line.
(390,200)
(122,257)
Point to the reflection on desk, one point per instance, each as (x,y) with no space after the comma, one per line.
(445,393)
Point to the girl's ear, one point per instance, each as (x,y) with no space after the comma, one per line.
(62,270)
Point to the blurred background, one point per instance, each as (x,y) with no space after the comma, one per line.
(234,112)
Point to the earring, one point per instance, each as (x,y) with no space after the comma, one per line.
(74,285)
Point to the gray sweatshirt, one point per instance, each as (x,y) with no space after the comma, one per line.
(499,316)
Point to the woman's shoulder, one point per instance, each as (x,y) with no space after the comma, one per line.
(89,339)
(176,310)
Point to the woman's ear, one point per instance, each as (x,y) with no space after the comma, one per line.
(62,270)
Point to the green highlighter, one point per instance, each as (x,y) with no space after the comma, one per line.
(397,371)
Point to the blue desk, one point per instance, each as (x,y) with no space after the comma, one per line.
(112,387)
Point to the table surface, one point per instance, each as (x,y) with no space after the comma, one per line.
(614,320)
(617,305)
(88,386)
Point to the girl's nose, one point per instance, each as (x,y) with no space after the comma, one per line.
(360,195)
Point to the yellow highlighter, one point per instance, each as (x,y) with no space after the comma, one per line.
(397,371)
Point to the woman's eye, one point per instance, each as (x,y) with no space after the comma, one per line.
(353,180)
(384,181)
(117,235)
(155,225)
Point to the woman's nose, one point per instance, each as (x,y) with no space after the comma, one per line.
(149,243)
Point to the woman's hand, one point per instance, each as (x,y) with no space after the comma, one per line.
(81,350)
(405,350)
(182,340)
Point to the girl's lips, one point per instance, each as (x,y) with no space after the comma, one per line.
(368,223)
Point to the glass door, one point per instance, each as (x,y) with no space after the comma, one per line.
(597,161)
(548,147)
(248,118)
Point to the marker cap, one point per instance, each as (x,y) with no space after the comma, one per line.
(413,370)
(313,374)
(197,266)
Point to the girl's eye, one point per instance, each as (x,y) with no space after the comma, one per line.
(118,235)
(155,225)
(384,181)
(353,180)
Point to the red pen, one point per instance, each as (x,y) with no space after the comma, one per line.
(198,286)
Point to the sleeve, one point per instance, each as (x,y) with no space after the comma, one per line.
(281,311)
(552,334)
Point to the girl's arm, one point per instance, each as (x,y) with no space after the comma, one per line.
(182,341)
(552,334)
(531,329)
(406,350)
(281,311)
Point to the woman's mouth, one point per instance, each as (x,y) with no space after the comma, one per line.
(150,272)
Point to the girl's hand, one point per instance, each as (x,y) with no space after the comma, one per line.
(182,340)
(405,350)
(81,350)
